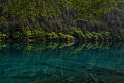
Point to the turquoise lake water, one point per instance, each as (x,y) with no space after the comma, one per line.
(62,62)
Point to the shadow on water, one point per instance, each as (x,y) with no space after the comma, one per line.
(62,62)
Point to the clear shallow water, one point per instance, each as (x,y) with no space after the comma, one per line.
(62,63)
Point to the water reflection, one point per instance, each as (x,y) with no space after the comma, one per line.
(61,62)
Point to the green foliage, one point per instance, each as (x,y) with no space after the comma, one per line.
(2,36)
(78,33)
(86,9)
(88,35)
(100,37)
(93,9)
(61,36)
(34,34)
(18,35)
(95,35)
(51,36)
(105,35)
(69,38)
(37,34)
(28,34)
(21,8)
(35,19)
(122,34)
(65,37)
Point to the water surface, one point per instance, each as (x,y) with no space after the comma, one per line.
(62,62)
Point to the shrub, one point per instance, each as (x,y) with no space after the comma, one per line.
(78,33)
(28,34)
(88,35)
(2,36)
(69,38)
(105,35)
(18,35)
(65,37)
(51,36)
(100,36)
(95,36)
(61,36)
(37,34)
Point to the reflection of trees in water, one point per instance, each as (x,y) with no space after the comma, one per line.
(92,52)
(70,47)
(57,62)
